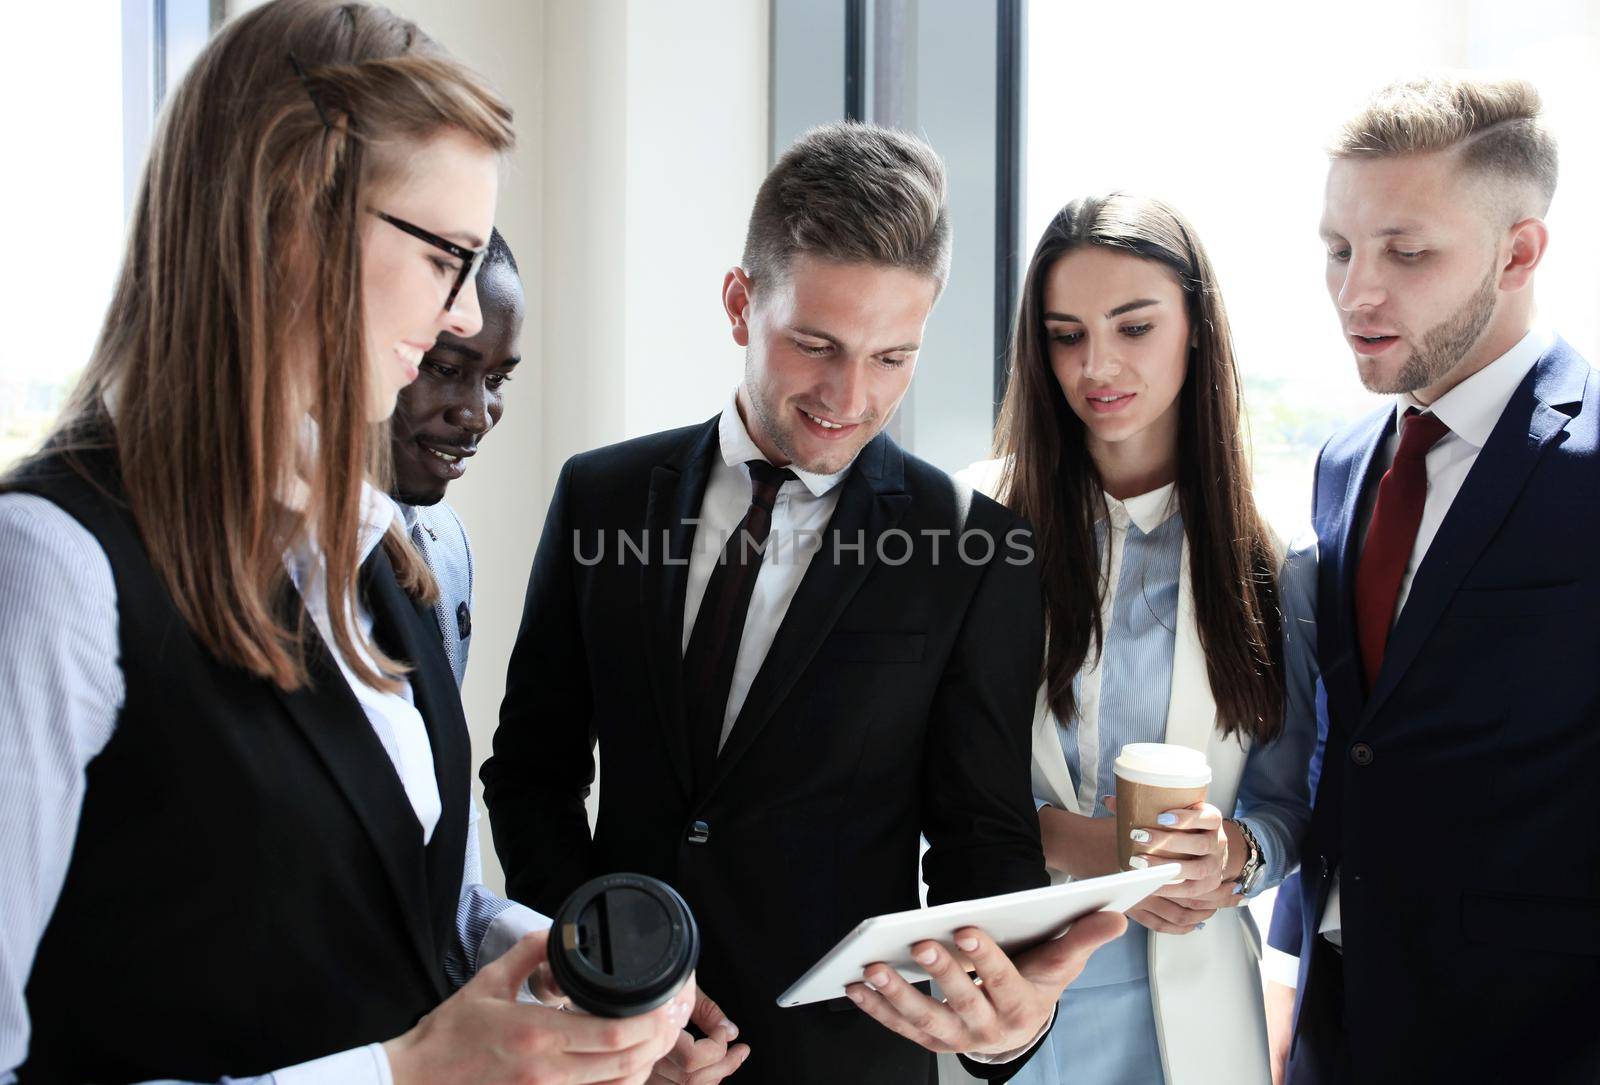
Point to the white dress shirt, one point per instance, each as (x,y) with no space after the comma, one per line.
(393,716)
(800,515)
(1471,409)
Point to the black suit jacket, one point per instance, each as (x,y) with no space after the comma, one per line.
(1455,802)
(897,699)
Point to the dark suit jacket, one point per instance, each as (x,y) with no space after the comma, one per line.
(897,699)
(1456,802)
(248,881)
(1284,934)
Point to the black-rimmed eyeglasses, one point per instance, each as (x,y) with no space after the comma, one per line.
(470,259)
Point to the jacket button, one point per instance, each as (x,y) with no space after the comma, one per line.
(1324,859)
(1361,753)
(699,832)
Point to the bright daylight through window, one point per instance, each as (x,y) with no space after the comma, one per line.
(1226,118)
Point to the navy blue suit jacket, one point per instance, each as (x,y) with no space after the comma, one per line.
(1457,801)
(1284,934)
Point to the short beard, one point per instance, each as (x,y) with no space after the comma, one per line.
(1444,345)
(775,423)
(765,415)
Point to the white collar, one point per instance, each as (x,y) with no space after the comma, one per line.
(738,447)
(1146,511)
(1472,407)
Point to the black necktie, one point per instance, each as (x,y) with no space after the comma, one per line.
(719,626)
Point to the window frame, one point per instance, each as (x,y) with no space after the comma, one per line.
(859,61)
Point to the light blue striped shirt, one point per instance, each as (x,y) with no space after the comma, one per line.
(61,689)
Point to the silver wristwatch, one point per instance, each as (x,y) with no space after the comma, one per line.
(1250,873)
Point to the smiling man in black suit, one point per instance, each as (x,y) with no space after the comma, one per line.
(799,647)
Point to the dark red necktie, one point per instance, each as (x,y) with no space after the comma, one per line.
(1390,538)
(719,626)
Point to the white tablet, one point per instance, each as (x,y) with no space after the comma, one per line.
(1014,920)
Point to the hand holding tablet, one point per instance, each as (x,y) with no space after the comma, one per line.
(1015,921)
(1015,943)
(1002,1009)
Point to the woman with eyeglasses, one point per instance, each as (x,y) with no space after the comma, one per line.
(1170,618)
(233,763)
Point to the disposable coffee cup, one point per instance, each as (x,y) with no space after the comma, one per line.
(1152,778)
(622,945)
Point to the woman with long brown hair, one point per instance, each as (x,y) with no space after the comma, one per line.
(1120,441)
(233,763)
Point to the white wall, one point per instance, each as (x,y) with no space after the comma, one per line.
(656,129)
(641,139)
(697,152)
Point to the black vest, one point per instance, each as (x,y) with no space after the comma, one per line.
(248,888)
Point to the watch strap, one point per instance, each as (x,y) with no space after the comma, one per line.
(1253,860)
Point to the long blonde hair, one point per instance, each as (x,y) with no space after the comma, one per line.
(244,249)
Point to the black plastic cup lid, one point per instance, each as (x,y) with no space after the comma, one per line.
(623,944)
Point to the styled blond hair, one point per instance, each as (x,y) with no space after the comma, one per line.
(1493,124)
(245,235)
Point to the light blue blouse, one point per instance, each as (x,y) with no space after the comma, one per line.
(1135,686)
(1105,1031)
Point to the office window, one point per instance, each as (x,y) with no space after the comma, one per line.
(79,114)
(1223,112)
(930,67)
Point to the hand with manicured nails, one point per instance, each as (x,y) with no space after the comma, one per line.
(707,1061)
(999,1012)
(482,1035)
(1202,843)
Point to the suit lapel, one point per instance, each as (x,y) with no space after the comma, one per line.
(333,722)
(1345,685)
(405,630)
(1528,424)
(1191,711)
(872,500)
(1192,708)
(677,489)
(1052,779)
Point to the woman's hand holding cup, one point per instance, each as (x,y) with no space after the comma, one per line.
(1197,842)
(1164,818)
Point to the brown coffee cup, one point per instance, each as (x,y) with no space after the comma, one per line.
(1152,778)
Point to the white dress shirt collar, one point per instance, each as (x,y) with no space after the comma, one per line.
(738,447)
(378,511)
(1472,407)
(1146,511)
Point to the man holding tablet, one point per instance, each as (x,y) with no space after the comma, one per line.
(799,648)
